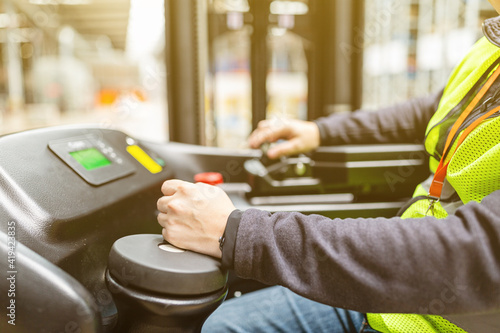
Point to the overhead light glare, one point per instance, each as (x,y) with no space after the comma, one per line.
(225,6)
(288,8)
(60,2)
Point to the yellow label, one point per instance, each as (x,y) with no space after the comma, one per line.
(142,157)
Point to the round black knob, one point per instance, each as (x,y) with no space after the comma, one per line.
(147,262)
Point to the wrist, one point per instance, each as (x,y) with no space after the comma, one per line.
(322,133)
(316,135)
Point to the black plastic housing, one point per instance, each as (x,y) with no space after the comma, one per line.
(64,227)
(68,226)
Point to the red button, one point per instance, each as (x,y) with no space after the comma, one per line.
(212,178)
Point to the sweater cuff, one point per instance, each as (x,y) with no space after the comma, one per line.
(233,222)
(322,131)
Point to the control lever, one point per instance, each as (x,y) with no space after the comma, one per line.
(264,158)
(284,175)
(276,168)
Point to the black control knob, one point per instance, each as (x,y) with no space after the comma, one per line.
(158,287)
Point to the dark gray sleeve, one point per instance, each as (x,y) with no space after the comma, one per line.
(401,123)
(379,265)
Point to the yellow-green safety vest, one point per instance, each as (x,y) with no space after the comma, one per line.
(473,171)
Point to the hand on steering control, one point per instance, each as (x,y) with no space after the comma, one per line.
(194,216)
(302,136)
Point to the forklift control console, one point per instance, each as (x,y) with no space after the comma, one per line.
(78,222)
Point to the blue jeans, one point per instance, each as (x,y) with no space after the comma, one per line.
(277,309)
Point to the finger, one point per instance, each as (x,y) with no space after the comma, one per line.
(170,238)
(257,137)
(165,234)
(163,204)
(267,134)
(162,219)
(170,186)
(263,123)
(283,149)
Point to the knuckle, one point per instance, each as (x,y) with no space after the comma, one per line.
(262,123)
(160,204)
(173,205)
(205,187)
(269,132)
(162,219)
(164,186)
(170,224)
(260,132)
(184,188)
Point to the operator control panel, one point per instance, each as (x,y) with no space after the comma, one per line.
(97,162)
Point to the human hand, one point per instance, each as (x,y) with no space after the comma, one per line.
(194,216)
(303,136)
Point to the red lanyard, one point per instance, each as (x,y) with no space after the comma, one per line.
(438,180)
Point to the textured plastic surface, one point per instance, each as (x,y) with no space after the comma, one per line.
(66,220)
(141,311)
(138,261)
(42,295)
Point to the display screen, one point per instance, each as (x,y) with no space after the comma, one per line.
(90,158)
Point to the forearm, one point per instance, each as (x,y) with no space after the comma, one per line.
(402,123)
(378,265)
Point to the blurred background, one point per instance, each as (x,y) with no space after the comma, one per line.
(206,71)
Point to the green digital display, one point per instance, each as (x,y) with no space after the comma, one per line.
(90,158)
